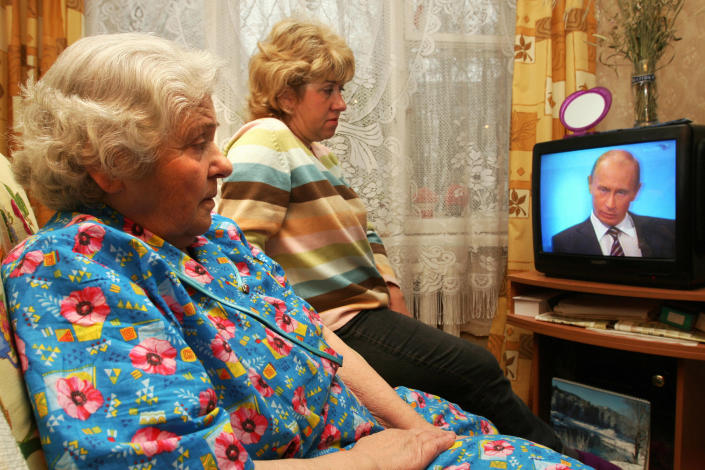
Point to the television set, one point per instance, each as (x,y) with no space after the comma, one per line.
(668,253)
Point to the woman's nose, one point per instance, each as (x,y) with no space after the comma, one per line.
(221,166)
(339,103)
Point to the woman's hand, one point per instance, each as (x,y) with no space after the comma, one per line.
(396,300)
(391,449)
(406,449)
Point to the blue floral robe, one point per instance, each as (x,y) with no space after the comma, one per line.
(137,354)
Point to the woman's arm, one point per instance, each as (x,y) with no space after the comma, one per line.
(372,390)
(391,449)
(410,443)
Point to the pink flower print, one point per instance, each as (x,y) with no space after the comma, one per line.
(200,241)
(254,249)
(457,414)
(89,239)
(419,399)
(248,425)
(21,348)
(329,366)
(222,350)
(207,399)
(558,466)
(285,322)
(232,232)
(335,387)
(313,316)
(465,466)
(262,387)
(15,252)
(279,344)
(439,421)
(229,453)
(195,270)
(281,280)
(486,427)
(243,268)
(176,308)
(78,397)
(85,307)
(299,402)
(28,264)
(500,448)
(226,328)
(292,448)
(278,304)
(154,356)
(154,441)
(137,230)
(80,218)
(330,437)
(363,430)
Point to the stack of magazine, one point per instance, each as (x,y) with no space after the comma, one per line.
(622,315)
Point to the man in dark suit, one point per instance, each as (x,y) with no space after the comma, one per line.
(612,230)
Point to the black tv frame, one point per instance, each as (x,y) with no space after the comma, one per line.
(687,269)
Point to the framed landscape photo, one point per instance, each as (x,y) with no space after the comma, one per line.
(608,424)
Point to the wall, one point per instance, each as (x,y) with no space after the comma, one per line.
(681,84)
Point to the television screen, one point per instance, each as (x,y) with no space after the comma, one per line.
(577,202)
(625,206)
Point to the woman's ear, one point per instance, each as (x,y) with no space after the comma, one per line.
(287,99)
(106,183)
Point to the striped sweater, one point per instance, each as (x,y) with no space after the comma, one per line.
(296,206)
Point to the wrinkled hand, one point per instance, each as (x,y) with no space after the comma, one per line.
(403,449)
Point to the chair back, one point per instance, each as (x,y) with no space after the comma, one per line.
(20,446)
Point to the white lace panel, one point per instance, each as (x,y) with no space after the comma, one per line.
(425,138)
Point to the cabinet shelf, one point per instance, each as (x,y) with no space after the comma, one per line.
(679,404)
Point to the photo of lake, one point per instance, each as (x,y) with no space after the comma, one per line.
(605,423)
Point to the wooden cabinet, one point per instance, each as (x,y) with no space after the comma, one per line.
(670,375)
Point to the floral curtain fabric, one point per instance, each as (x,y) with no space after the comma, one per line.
(424,140)
(554,56)
(34,33)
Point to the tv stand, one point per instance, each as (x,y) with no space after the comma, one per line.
(669,374)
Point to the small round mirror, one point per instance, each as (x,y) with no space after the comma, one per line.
(584,109)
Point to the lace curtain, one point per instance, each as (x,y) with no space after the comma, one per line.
(425,137)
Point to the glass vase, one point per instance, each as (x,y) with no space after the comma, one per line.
(644,93)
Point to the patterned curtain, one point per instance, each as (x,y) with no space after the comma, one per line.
(424,140)
(553,57)
(34,33)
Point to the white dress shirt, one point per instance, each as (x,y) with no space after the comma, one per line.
(627,236)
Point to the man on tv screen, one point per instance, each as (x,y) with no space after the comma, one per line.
(611,230)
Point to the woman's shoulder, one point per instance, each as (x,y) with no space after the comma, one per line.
(226,233)
(268,133)
(68,239)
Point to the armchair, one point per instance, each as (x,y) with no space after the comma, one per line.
(20,446)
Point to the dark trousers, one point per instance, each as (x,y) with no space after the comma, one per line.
(408,352)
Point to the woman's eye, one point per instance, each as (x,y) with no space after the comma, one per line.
(200,145)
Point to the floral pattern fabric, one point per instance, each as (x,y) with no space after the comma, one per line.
(129,367)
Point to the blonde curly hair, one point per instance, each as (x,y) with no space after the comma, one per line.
(108,103)
(295,53)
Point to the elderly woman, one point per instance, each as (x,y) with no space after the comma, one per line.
(288,195)
(151,333)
